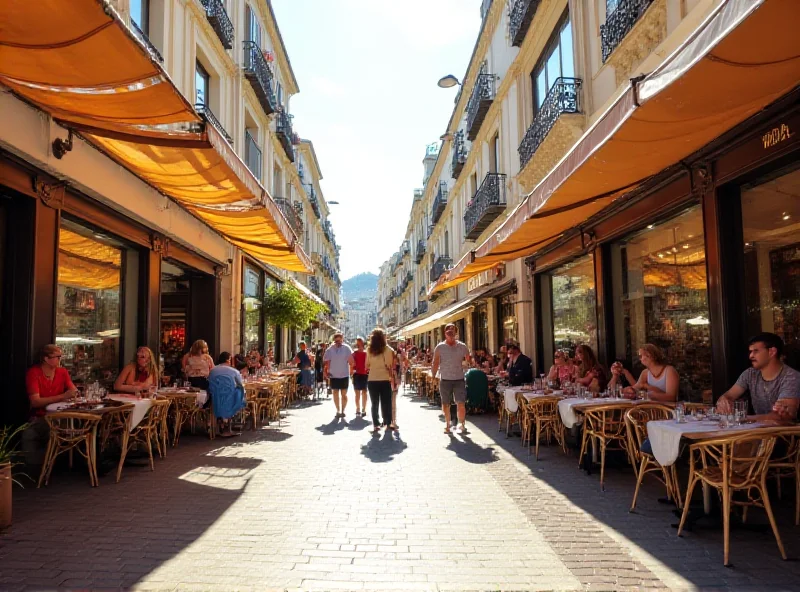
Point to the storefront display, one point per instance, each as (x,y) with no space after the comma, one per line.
(252,317)
(509,330)
(480,324)
(574,304)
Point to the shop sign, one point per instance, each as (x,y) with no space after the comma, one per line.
(776,135)
(475,282)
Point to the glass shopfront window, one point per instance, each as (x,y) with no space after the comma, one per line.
(771,233)
(574,304)
(661,297)
(506,309)
(480,324)
(89,302)
(252,292)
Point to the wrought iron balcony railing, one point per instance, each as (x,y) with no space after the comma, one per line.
(422,306)
(257,71)
(619,23)
(439,202)
(313,283)
(422,290)
(418,194)
(312,197)
(219,21)
(209,117)
(146,41)
(439,266)
(459,155)
(252,155)
(430,229)
(486,205)
(522,13)
(479,102)
(405,248)
(564,97)
(283,127)
(289,211)
(420,251)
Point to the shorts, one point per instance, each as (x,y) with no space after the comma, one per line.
(360,382)
(452,391)
(340,384)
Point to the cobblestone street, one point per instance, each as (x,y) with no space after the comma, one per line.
(321,504)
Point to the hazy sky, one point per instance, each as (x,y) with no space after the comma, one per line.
(367,71)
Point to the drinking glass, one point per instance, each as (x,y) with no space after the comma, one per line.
(186,384)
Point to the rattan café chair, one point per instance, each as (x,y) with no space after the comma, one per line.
(785,462)
(636,419)
(606,424)
(68,430)
(733,464)
(146,433)
(544,422)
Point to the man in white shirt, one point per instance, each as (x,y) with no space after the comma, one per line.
(338,366)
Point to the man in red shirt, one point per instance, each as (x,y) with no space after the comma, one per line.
(360,375)
(46,383)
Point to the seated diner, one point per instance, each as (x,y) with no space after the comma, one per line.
(563,369)
(140,375)
(773,386)
(590,373)
(659,379)
(519,368)
(226,390)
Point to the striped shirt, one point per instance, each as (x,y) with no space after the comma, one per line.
(450,358)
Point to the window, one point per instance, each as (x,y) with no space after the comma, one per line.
(556,62)
(611,6)
(89,303)
(494,155)
(509,329)
(253,292)
(446,243)
(140,14)
(574,304)
(202,83)
(279,92)
(664,298)
(771,233)
(252,27)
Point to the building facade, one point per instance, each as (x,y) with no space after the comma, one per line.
(103,248)
(589,191)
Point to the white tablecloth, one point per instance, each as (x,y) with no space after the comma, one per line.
(665,435)
(140,407)
(510,394)
(568,415)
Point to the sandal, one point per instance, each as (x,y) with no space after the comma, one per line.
(447,430)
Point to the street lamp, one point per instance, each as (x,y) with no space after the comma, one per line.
(448,81)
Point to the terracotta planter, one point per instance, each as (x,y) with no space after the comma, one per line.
(5,495)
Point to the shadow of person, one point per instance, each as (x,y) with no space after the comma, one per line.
(358,423)
(385,448)
(467,450)
(331,428)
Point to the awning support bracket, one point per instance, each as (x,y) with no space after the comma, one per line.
(635,85)
(61,147)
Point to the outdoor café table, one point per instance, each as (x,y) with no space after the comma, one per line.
(202,396)
(510,399)
(140,407)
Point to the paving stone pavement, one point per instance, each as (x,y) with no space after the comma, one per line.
(320,504)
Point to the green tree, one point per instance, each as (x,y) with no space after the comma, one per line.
(287,306)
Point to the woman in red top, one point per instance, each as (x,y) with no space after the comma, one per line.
(360,375)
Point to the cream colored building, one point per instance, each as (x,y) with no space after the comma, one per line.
(541,73)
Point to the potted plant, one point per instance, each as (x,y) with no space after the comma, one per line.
(8,449)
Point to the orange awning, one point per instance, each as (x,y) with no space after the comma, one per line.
(79,62)
(86,263)
(724,73)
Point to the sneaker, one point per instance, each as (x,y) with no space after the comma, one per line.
(463,429)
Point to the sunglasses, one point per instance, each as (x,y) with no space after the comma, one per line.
(54,357)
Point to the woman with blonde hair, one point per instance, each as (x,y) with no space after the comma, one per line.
(380,378)
(197,364)
(659,379)
(140,375)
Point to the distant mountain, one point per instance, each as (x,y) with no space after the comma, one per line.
(360,286)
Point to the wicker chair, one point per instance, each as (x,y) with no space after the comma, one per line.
(68,430)
(114,424)
(523,418)
(185,410)
(606,424)
(542,412)
(146,433)
(729,465)
(787,464)
(636,420)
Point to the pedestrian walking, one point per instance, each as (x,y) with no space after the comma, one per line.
(360,377)
(338,365)
(380,383)
(448,358)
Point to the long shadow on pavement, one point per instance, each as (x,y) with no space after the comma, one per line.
(384,449)
(470,451)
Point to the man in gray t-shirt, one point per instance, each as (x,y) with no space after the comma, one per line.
(447,361)
(773,386)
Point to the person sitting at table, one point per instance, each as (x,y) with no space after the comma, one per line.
(520,370)
(240,363)
(46,382)
(659,379)
(197,365)
(501,360)
(774,387)
(253,360)
(590,373)
(563,369)
(140,375)
(305,362)
(226,390)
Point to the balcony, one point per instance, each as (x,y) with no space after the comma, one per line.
(219,21)
(300,170)
(418,194)
(209,117)
(312,197)
(257,71)
(459,155)
(522,13)
(479,102)
(486,205)
(422,307)
(146,41)
(252,155)
(420,251)
(441,265)
(289,211)
(439,203)
(283,127)
(564,97)
(313,283)
(430,229)
(619,23)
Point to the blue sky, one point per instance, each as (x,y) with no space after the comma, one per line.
(367,71)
